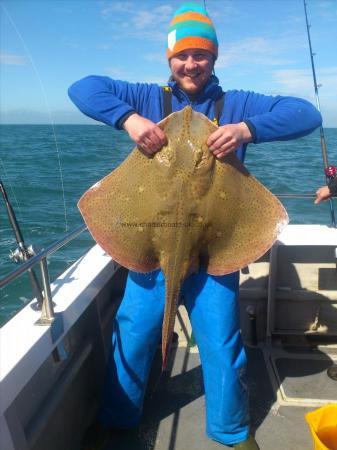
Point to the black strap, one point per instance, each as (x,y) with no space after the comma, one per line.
(218,108)
(167,100)
(167,104)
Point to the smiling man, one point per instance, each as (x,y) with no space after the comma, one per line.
(192,68)
(212,302)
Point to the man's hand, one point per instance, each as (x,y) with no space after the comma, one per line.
(322,194)
(145,133)
(228,138)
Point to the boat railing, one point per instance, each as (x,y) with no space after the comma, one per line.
(46,304)
(47,309)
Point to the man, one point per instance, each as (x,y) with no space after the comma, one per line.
(326,192)
(210,301)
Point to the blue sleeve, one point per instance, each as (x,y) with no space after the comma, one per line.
(109,101)
(279,118)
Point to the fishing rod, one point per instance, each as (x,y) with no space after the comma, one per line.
(328,170)
(23,253)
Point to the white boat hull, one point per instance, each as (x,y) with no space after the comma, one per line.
(51,376)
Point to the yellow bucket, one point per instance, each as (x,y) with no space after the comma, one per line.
(323,427)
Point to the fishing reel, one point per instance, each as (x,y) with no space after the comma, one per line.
(21,254)
(330,171)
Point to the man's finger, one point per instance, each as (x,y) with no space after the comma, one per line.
(221,143)
(213,137)
(161,136)
(154,141)
(222,153)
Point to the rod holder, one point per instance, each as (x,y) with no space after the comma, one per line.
(47,315)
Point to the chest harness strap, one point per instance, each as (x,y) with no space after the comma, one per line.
(167,103)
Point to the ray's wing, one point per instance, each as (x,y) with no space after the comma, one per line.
(118,211)
(246,218)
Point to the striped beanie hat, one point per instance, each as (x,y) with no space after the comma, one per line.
(191,27)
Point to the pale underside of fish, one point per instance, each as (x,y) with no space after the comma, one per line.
(181,210)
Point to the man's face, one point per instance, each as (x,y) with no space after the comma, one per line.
(192,69)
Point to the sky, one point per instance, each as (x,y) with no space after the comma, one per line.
(46,45)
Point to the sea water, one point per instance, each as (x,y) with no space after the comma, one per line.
(46,169)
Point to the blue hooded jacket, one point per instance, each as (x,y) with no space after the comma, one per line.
(269,118)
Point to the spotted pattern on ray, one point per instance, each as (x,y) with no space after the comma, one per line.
(180,209)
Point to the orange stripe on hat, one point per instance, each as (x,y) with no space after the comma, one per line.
(193,42)
(190,16)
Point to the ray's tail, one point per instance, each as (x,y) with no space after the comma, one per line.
(172,293)
(175,268)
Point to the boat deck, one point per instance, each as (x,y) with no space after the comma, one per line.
(52,377)
(174,413)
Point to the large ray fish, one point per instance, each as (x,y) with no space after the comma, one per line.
(182,209)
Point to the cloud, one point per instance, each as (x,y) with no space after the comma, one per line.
(256,49)
(70,43)
(118,73)
(120,7)
(143,19)
(133,21)
(156,80)
(12,60)
(156,57)
(149,35)
(327,10)
(104,46)
(225,14)
(152,18)
(300,81)
(296,82)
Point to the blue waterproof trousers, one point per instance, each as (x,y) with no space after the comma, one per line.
(213,309)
